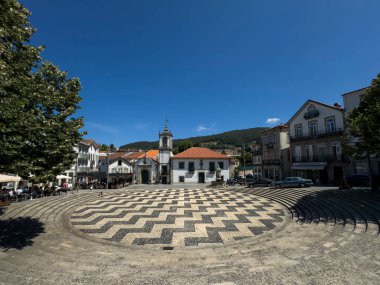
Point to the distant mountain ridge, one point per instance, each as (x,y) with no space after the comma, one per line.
(235,138)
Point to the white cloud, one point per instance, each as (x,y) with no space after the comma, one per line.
(203,127)
(104,128)
(272,121)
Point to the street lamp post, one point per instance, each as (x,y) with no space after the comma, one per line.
(108,169)
(244,164)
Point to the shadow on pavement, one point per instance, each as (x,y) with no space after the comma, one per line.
(360,205)
(19,233)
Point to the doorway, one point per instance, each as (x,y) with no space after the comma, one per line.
(145,176)
(338,174)
(201,177)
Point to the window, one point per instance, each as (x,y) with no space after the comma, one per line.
(298,130)
(313,128)
(321,152)
(221,164)
(165,142)
(297,150)
(212,166)
(191,167)
(309,152)
(311,108)
(181,165)
(330,124)
(119,163)
(337,154)
(182,179)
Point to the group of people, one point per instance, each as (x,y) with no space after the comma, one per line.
(35,191)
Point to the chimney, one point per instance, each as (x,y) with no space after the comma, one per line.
(337,105)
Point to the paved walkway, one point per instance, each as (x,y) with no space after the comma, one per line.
(177,217)
(321,240)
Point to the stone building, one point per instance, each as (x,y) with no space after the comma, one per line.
(275,152)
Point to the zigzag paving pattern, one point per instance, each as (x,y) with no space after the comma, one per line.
(332,239)
(177,217)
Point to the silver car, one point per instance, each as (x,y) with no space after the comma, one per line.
(293,182)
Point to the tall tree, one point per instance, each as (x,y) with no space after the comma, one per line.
(104,147)
(363,125)
(38,129)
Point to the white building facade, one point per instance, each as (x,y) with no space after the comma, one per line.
(198,165)
(316,131)
(146,171)
(88,156)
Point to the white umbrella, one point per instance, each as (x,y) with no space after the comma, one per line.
(9,178)
(62,177)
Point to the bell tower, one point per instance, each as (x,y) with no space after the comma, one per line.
(165,153)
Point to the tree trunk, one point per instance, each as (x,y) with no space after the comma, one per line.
(371,180)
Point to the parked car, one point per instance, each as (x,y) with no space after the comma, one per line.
(293,182)
(357,180)
(249,179)
(261,182)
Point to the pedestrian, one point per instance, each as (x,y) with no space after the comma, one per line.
(65,186)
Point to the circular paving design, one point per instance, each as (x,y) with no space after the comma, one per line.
(177,217)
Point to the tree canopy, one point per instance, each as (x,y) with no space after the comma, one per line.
(363,123)
(38,130)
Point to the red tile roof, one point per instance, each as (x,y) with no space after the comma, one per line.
(137,155)
(116,155)
(90,142)
(134,155)
(87,142)
(200,152)
(152,153)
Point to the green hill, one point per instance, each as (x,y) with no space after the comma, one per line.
(224,140)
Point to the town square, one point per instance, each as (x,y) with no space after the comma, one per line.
(189,142)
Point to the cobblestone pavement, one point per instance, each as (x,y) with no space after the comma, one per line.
(177,217)
(326,237)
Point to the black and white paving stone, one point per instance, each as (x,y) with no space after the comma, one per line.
(177,217)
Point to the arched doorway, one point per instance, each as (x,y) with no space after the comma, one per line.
(145,176)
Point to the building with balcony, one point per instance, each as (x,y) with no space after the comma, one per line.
(275,152)
(315,132)
(88,156)
(257,161)
(87,161)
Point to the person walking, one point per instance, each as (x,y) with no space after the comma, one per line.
(65,186)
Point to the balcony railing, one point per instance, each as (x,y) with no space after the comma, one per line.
(84,169)
(318,158)
(271,162)
(316,135)
(83,155)
(269,145)
(311,114)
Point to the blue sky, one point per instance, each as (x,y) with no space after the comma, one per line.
(207,66)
